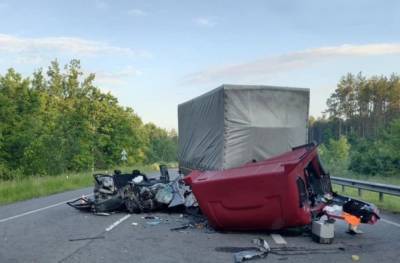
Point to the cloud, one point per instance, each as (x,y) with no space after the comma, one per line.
(205,22)
(31,59)
(290,61)
(118,77)
(137,12)
(69,45)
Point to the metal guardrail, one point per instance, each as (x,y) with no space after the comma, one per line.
(370,186)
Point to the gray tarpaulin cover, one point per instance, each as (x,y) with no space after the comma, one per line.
(235,124)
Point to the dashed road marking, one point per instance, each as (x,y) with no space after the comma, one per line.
(278,239)
(116,223)
(390,222)
(36,210)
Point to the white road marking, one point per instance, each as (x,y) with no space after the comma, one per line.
(390,222)
(37,210)
(278,239)
(116,223)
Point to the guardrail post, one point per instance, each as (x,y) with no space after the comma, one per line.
(359,192)
(342,188)
(380,197)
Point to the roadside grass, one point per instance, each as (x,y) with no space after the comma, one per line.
(390,203)
(37,186)
(33,187)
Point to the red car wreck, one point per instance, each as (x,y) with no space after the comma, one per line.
(288,190)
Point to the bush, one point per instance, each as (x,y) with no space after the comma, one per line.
(335,155)
(378,157)
(8,174)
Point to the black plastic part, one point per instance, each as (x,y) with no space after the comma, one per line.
(81,204)
(164,177)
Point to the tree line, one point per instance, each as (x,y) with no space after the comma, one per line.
(363,119)
(58,121)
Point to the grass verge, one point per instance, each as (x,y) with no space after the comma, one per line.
(390,203)
(32,187)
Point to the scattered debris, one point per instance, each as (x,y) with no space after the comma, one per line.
(150,217)
(153,223)
(135,193)
(194,221)
(86,238)
(352,211)
(355,257)
(260,251)
(233,249)
(190,200)
(102,214)
(155,220)
(181,228)
(164,173)
(278,239)
(228,207)
(165,194)
(247,255)
(323,230)
(178,189)
(200,225)
(300,251)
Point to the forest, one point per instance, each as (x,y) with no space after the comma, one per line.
(360,129)
(58,121)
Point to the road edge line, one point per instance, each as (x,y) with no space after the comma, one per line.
(37,210)
(116,223)
(390,222)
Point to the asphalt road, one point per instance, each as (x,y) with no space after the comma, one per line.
(47,230)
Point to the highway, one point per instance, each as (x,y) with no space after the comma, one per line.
(47,230)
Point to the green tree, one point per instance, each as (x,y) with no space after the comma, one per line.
(335,155)
(162,144)
(59,121)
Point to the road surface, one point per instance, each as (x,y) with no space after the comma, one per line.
(47,230)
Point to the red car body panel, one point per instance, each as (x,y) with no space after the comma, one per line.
(261,195)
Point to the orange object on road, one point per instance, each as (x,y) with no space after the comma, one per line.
(350,219)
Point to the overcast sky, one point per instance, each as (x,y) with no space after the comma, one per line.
(153,55)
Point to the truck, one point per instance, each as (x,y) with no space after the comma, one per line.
(234,124)
(245,154)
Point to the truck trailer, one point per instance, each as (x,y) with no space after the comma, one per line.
(234,124)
